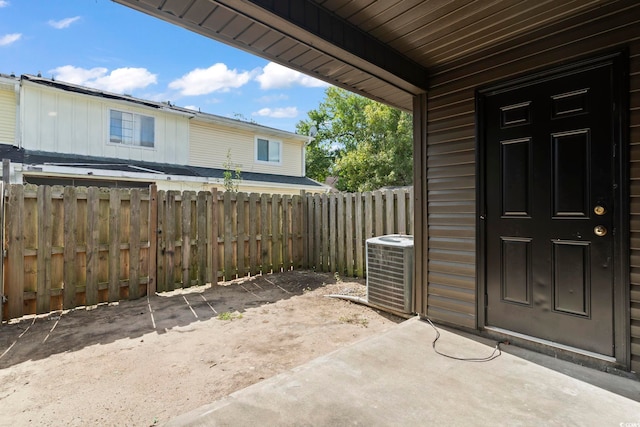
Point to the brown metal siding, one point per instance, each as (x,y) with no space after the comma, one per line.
(451,171)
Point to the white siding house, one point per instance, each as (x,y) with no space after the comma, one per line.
(57,133)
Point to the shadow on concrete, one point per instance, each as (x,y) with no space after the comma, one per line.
(33,338)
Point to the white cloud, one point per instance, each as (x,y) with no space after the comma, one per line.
(191,107)
(7,39)
(63,23)
(277,113)
(217,78)
(3,3)
(120,80)
(275,76)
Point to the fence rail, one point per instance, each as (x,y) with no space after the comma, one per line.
(73,246)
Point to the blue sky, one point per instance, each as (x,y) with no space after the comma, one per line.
(101,44)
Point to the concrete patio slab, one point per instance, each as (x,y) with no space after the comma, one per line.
(396,379)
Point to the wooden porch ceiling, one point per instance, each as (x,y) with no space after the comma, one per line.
(383,49)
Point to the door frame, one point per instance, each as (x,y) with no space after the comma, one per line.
(621,272)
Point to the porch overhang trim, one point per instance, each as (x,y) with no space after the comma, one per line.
(306,20)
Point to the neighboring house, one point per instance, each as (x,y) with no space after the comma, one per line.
(526,149)
(59,133)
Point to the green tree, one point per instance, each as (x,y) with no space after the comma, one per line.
(367,145)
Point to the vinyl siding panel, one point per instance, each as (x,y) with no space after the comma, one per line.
(65,122)
(451,167)
(210,143)
(7,115)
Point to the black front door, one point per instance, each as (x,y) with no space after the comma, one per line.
(550,208)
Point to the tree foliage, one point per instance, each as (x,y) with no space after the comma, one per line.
(365,144)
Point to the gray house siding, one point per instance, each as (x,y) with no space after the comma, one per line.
(451,293)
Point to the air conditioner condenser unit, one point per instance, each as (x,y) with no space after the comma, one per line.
(390,272)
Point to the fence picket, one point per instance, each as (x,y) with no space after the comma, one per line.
(286,232)
(297,246)
(14,286)
(359,242)
(70,281)
(134,245)
(114,245)
(213,255)
(309,232)
(202,241)
(228,241)
(185,249)
(276,253)
(341,235)
(317,229)
(402,212)
(253,233)
(93,246)
(349,232)
(240,240)
(170,236)
(153,240)
(43,292)
(379,213)
(324,207)
(389,225)
(333,239)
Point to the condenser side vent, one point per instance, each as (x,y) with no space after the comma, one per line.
(390,272)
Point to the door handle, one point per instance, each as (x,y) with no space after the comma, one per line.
(600,230)
(599,210)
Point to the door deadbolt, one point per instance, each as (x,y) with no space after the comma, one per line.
(599,210)
(600,230)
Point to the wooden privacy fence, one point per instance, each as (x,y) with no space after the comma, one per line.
(76,246)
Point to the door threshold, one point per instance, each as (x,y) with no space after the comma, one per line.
(552,344)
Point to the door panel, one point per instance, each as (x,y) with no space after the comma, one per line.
(549,162)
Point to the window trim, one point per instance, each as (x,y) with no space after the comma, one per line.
(267,162)
(134,113)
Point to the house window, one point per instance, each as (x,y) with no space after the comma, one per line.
(131,129)
(268,151)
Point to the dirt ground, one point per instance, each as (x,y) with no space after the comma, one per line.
(140,363)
